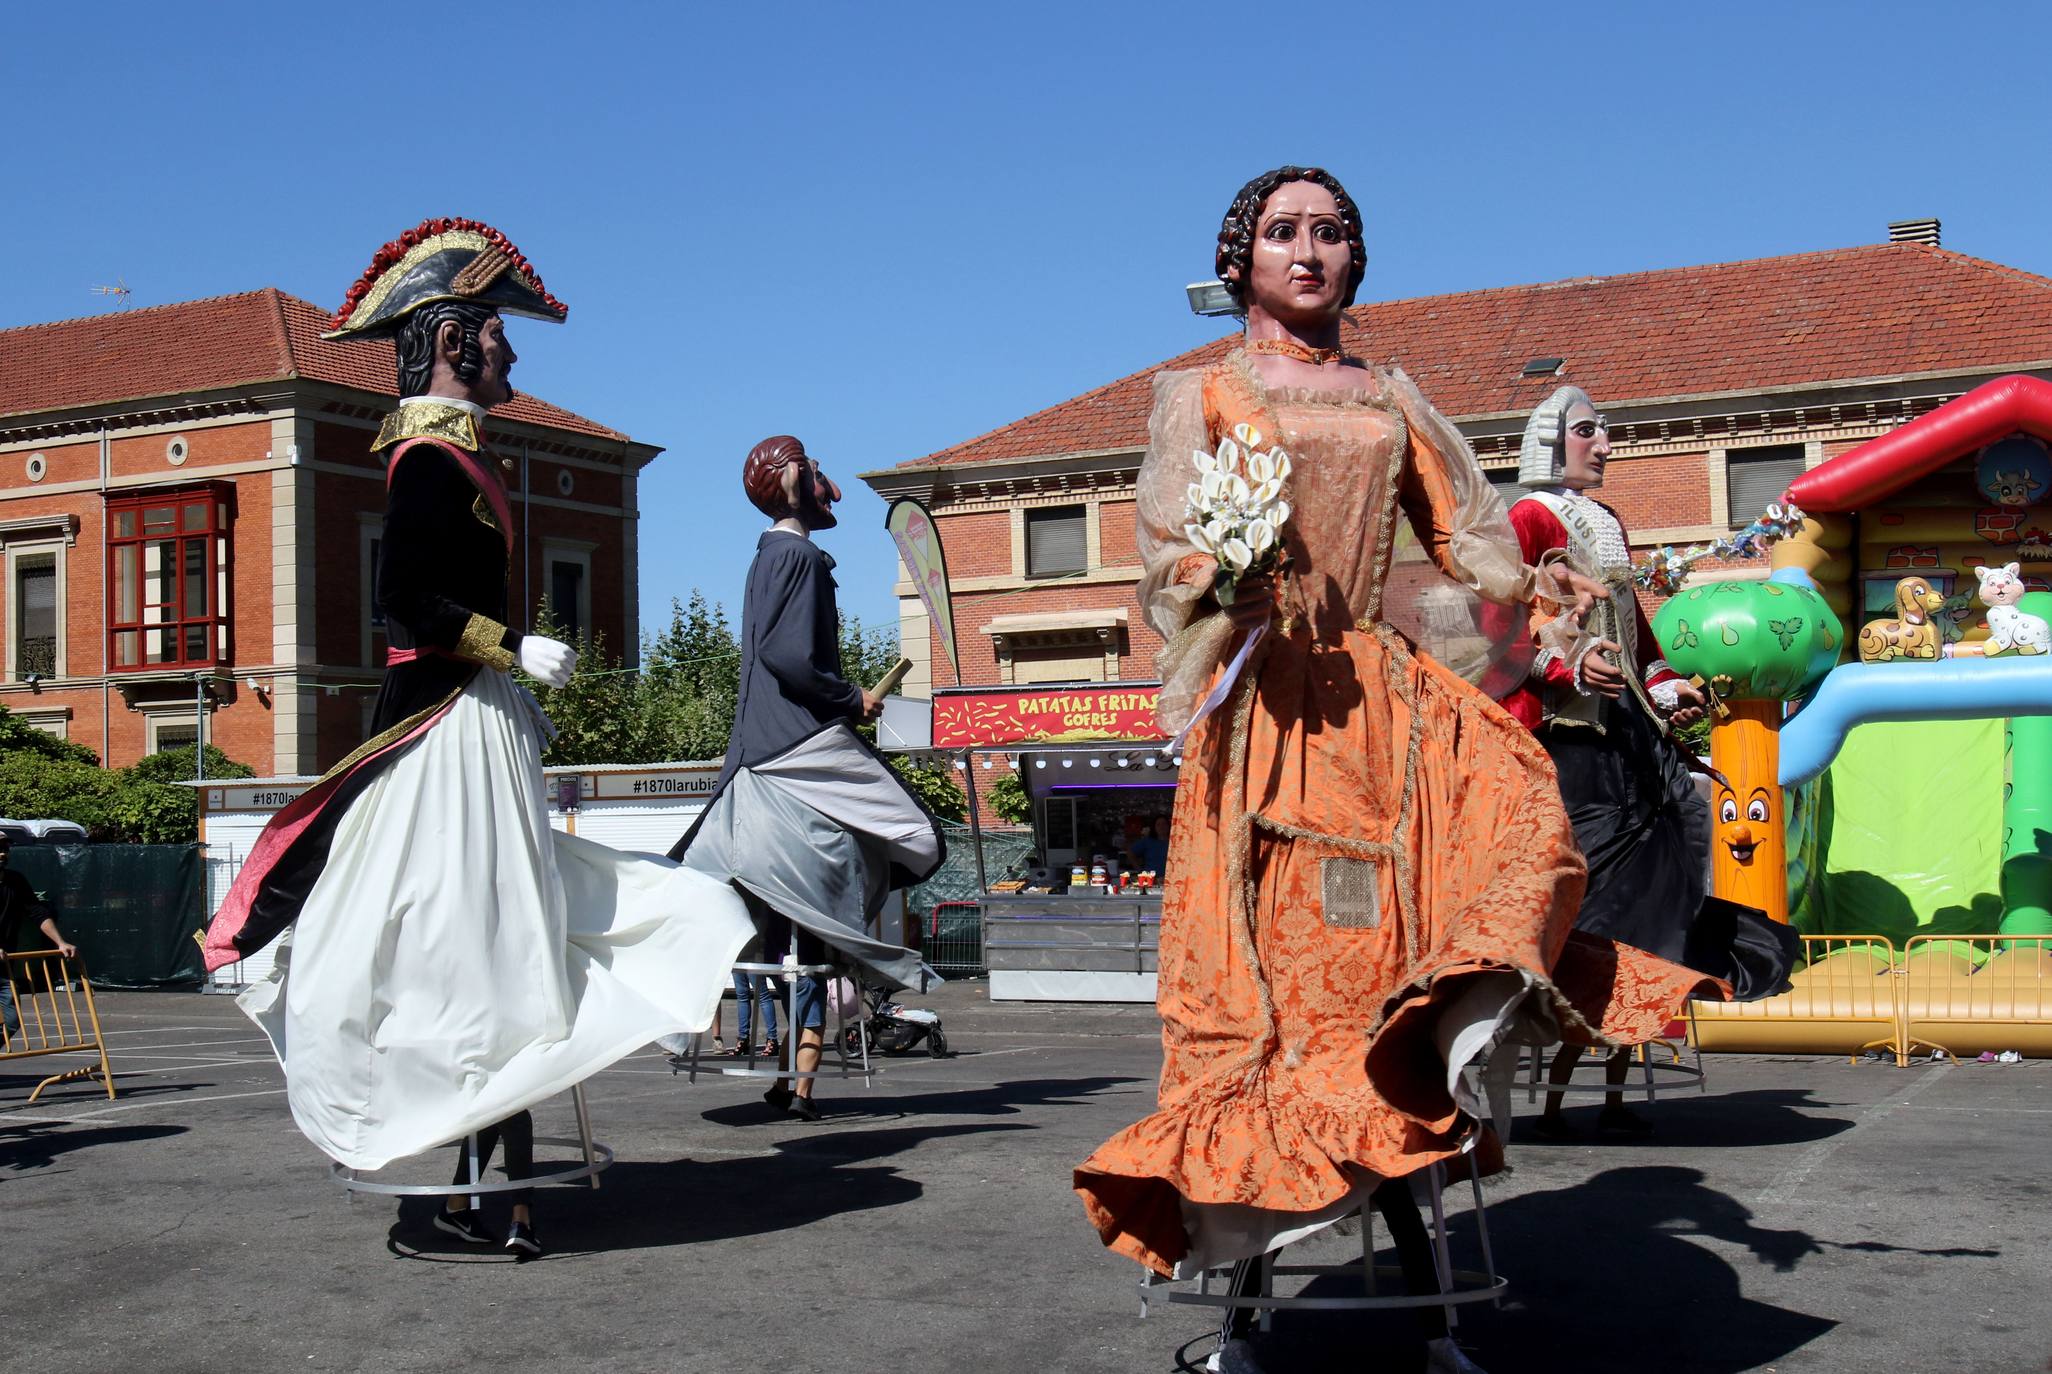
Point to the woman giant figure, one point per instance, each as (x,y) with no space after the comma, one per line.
(1374,872)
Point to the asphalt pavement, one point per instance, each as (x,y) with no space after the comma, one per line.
(1803,1215)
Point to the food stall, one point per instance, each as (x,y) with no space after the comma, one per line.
(1078,921)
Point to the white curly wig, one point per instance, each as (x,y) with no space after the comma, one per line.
(1544,453)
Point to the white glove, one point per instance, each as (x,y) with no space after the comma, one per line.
(547,661)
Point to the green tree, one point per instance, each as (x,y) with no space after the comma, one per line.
(45,778)
(691,677)
(1008,800)
(597,714)
(176,765)
(934,784)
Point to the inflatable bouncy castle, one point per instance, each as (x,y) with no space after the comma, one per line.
(1909,788)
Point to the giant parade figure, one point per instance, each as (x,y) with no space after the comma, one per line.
(807,820)
(1374,872)
(1605,710)
(447,959)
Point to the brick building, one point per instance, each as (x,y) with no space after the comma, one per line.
(189,517)
(1720,383)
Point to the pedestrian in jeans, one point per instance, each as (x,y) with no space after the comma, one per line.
(19,904)
(755,991)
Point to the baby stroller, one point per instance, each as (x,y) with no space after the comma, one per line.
(892,1029)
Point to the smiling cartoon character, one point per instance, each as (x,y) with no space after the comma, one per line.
(1749,846)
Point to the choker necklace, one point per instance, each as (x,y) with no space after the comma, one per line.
(1303,353)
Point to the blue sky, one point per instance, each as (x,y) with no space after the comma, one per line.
(886,228)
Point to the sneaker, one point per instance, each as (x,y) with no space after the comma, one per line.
(804,1109)
(1554,1128)
(1618,1119)
(466,1225)
(780,1098)
(520,1240)
(1234,1357)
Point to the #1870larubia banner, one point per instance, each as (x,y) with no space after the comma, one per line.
(912,529)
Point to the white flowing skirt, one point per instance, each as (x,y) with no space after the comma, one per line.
(459,960)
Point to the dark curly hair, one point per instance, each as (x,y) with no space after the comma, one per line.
(415,343)
(1236,232)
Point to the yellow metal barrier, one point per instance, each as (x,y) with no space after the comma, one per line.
(1847,997)
(1968,993)
(55,1017)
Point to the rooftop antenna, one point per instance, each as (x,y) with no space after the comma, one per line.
(119,289)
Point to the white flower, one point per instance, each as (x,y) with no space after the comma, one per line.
(1228,455)
(1282,463)
(1268,492)
(1235,554)
(1217,531)
(1280,516)
(1213,488)
(1194,498)
(1197,535)
(1236,489)
(1260,466)
(1248,436)
(1206,462)
(1260,536)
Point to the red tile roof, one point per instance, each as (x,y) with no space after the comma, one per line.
(207,345)
(1873,311)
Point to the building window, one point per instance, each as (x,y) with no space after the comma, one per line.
(567,565)
(566,596)
(1507,485)
(34,594)
(171,732)
(377,607)
(1057,541)
(1756,478)
(167,576)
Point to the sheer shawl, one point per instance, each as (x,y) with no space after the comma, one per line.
(1457,581)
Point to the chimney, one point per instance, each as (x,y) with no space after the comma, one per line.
(1914,231)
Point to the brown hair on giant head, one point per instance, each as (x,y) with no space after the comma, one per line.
(1242,223)
(762,476)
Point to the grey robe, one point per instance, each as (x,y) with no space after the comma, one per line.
(807,816)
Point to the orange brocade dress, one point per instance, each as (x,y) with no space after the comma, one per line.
(1372,872)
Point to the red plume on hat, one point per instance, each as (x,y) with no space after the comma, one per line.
(442,259)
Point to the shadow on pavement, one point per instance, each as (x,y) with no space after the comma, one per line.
(797,1181)
(1604,1276)
(1721,1121)
(855,1104)
(33,1146)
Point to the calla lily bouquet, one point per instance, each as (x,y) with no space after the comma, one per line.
(1236,511)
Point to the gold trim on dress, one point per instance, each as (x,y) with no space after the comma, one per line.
(480,643)
(425,419)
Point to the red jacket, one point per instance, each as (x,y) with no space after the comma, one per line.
(1540,533)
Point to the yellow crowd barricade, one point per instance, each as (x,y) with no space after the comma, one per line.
(1846,998)
(1966,994)
(55,1016)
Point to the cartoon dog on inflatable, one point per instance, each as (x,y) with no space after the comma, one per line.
(1912,634)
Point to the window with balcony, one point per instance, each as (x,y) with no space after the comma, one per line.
(1057,543)
(167,580)
(35,615)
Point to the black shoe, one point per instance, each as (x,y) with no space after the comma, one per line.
(1618,1119)
(1554,1128)
(466,1225)
(803,1109)
(780,1098)
(520,1240)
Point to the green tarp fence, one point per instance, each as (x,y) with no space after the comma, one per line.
(952,939)
(132,909)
